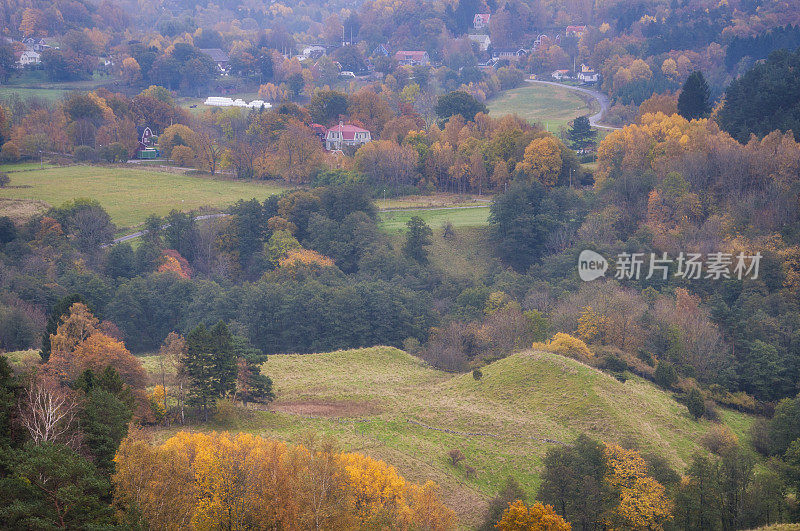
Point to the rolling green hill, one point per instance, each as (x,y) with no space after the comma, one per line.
(391,405)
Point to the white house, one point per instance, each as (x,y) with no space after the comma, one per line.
(481,20)
(483,41)
(558,75)
(412,58)
(587,75)
(510,54)
(29,57)
(345,135)
(312,51)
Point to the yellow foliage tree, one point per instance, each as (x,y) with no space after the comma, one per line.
(304,257)
(537,517)
(542,160)
(643,501)
(219,480)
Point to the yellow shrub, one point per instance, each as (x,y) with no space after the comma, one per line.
(566,345)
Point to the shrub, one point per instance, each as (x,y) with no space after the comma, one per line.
(411,345)
(719,439)
(695,403)
(710,411)
(566,345)
(85,154)
(4,180)
(666,375)
(614,363)
(477,374)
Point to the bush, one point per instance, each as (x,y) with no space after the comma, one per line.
(759,435)
(566,345)
(9,152)
(614,363)
(666,375)
(85,154)
(477,374)
(719,439)
(4,180)
(695,403)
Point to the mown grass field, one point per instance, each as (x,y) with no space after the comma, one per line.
(392,406)
(548,105)
(460,217)
(131,194)
(35,84)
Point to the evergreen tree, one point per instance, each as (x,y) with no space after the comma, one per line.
(581,133)
(418,237)
(459,102)
(210,365)
(105,415)
(251,385)
(50,486)
(693,101)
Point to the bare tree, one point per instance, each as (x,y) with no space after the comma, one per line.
(48,412)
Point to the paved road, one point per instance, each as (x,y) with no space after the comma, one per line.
(601,98)
(134,235)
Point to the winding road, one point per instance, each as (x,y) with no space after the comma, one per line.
(602,100)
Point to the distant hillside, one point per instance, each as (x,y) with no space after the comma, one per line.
(391,405)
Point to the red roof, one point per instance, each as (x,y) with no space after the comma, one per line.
(348,131)
(416,55)
(575,29)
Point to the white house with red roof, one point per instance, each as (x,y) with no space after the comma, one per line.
(481,20)
(577,31)
(342,135)
(412,57)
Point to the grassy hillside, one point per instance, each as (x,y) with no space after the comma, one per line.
(392,406)
(131,194)
(546,104)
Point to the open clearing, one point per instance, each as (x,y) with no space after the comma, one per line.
(392,406)
(550,105)
(436,217)
(131,194)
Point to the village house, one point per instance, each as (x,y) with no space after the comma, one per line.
(576,31)
(412,58)
(559,75)
(312,51)
(481,20)
(29,57)
(510,54)
(587,75)
(342,135)
(483,41)
(218,56)
(381,50)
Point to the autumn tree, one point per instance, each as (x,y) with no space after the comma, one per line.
(643,502)
(542,161)
(537,517)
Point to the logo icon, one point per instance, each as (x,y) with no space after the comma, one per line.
(591,265)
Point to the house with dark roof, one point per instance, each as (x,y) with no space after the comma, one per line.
(218,56)
(412,58)
(381,49)
(342,135)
